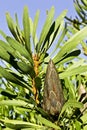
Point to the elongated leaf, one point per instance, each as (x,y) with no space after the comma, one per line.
(84,2)
(26,26)
(54,31)
(3,34)
(6,46)
(13,78)
(8,75)
(71,88)
(19,47)
(71,103)
(61,37)
(77,70)
(46,28)
(70,56)
(4,55)
(11,25)
(46,43)
(71,44)
(15,102)
(8,54)
(48,123)
(16,124)
(59,26)
(59,21)
(60,18)
(78,10)
(8,93)
(26,68)
(84,118)
(35,25)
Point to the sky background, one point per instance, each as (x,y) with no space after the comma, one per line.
(16,6)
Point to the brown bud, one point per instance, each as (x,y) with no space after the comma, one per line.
(53,98)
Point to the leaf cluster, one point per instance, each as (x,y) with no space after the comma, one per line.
(21,52)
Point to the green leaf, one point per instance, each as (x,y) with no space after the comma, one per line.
(45,44)
(71,44)
(46,28)
(4,55)
(12,77)
(84,2)
(20,48)
(3,34)
(73,71)
(26,68)
(61,37)
(8,75)
(71,88)
(15,102)
(48,123)
(35,39)
(35,25)
(71,103)
(8,93)
(26,26)
(77,125)
(59,21)
(78,10)
(11,25)
(69,57)
(16,124)
(84,118)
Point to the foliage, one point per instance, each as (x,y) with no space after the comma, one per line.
(24,59)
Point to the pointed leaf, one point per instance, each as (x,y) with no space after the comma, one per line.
(71,103)
(3,34)
(69,57)
(78,10)
(35,25)
(4,55)
(74,71)
(26,26)
(48,123)
(45,44)
(26,68)
(8,93)
(12,77)
(15,102)
(71,44)
(61,37)
(11,25)
(46,28)
(19,47)
(84,2)
(16,124)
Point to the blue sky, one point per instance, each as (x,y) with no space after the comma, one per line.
(16,6)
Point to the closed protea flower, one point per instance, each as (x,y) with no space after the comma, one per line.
(53,98)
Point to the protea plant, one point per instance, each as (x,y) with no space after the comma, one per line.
(27,78)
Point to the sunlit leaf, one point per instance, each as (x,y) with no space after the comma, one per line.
(12,77)
(15,102)
(48,123)
(26,26)
(46,28)
(77,70)
(8,93)
(71,44)
(11,25)
(35,24)
(16,124)
(19,47)
(71,103)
